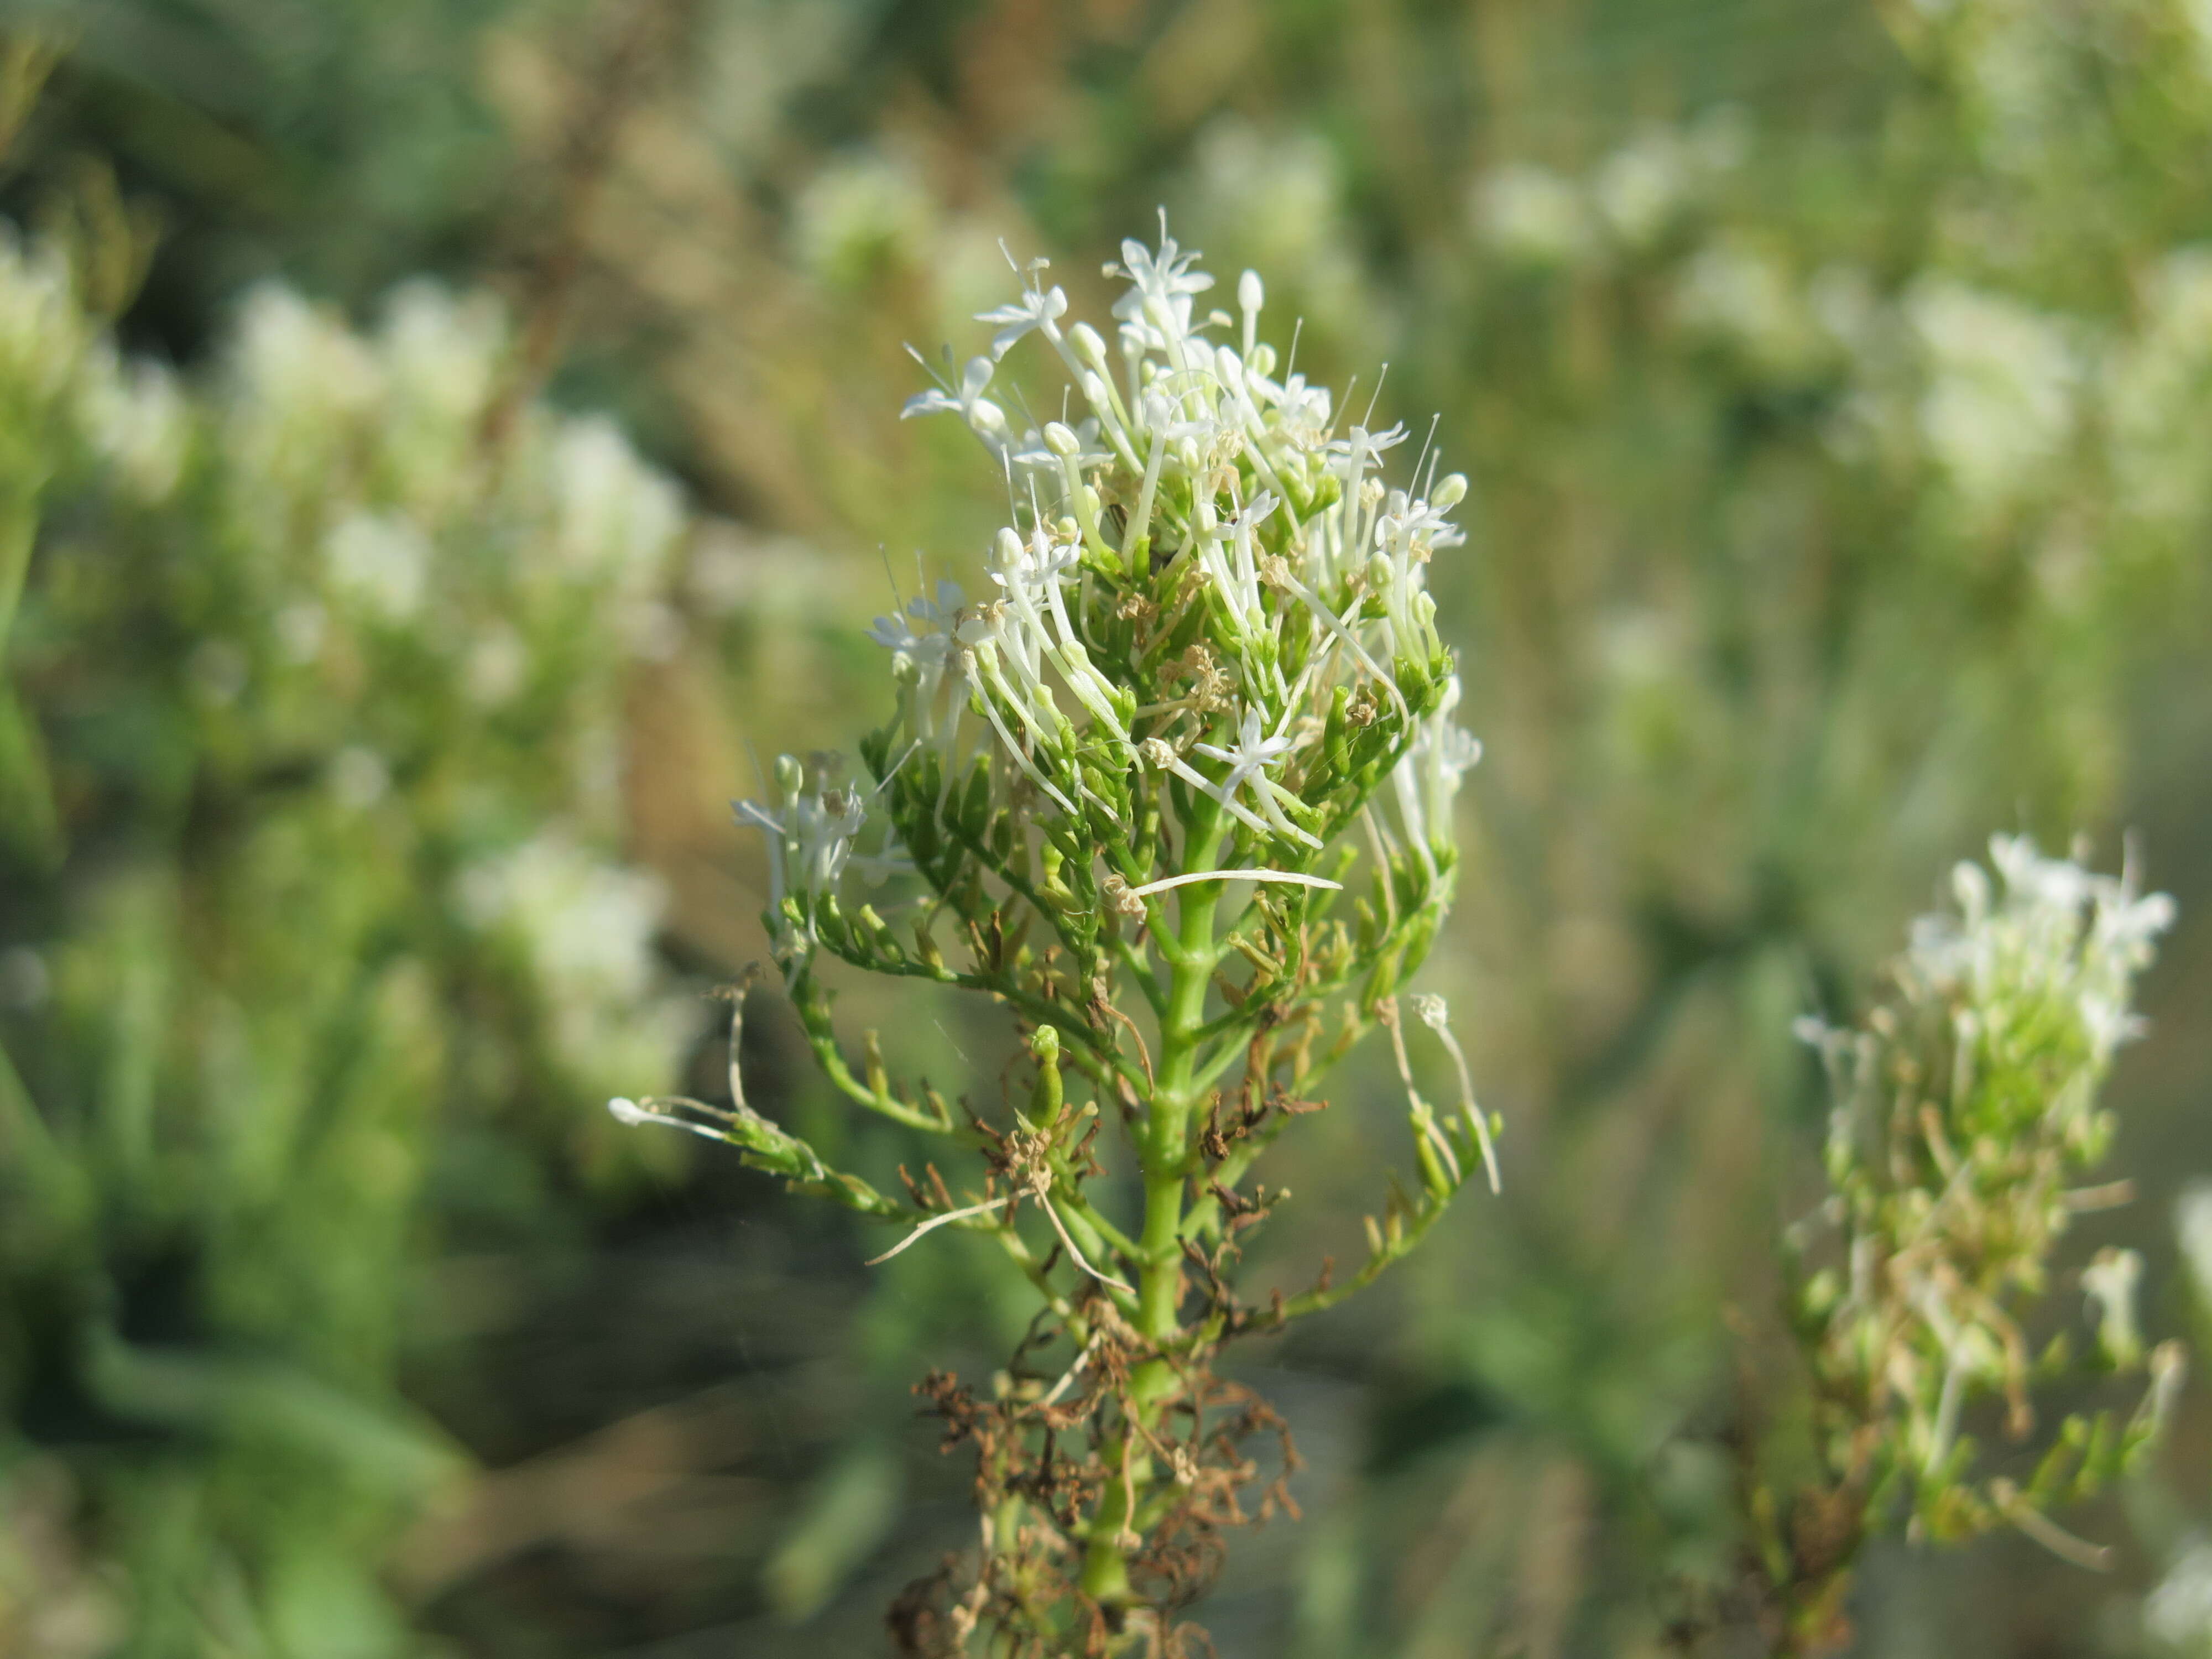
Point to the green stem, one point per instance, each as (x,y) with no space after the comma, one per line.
(1164,1156)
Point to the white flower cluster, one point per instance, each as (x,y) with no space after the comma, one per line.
(379,440)
(1998,403)
(351,524)
(44,334)
(2157,416)
(2055,942)
(1984,397)
(63,378)
(1965,1107)
(1531,215)
(810,837)
(1200,473)
(586,927)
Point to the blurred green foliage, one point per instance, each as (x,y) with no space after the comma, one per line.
(1833,380)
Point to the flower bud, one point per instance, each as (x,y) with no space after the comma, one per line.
(1451,492)
(1061,440)
(1249,294)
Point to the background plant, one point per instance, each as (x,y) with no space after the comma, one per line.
(1965,1107)
(312,833)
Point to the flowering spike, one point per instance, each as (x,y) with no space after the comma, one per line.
(1137,772)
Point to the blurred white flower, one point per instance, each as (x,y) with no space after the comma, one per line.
(2056,941)
(441,352)
(1277,197)
(298,381)
(2109,1282)
(862,215)
(43,331)
(615,518)
(587,925)
(1532,214)
(1643,187)
(2192,1225)
(25,980)
(380,562)
(300,628)
(1737,292)
(440,357)
(134,416)
(1997,402)
(358,778)
(498,662)
(2156,390)
(2178,1609)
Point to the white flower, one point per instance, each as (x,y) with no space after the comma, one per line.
(966,400)
(809,837)
(897,633)
(1426,781)
(299,379)
(2056,933)
(585,929)
(1248,760)
(1165,276)
(1035,309)
(921,661)
(1194,452)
